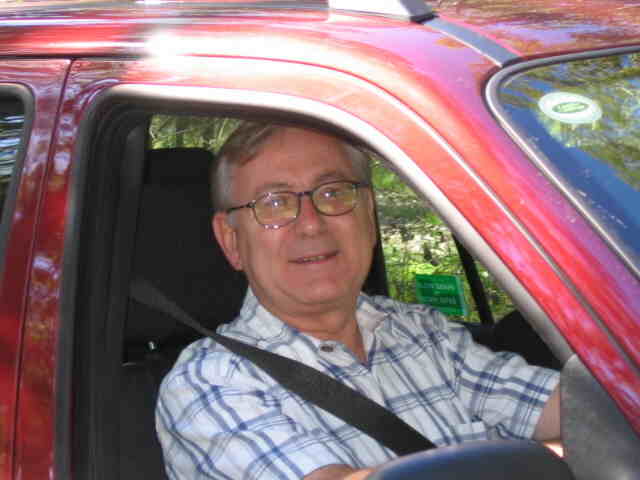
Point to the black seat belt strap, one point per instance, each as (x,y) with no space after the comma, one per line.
(310,384)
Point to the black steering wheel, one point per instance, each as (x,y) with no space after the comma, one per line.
(482,460)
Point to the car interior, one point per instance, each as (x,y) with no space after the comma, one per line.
(154,224)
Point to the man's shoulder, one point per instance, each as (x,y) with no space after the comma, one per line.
(206,361)
(402,313)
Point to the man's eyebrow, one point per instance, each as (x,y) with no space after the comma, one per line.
(284,186)
(333,175)
(273,187)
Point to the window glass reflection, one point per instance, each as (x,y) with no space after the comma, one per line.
(584,116)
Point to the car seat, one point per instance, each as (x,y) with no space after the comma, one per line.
(176,249)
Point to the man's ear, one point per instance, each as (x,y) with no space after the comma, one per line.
(227,238)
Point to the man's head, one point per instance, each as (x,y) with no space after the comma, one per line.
(310,263)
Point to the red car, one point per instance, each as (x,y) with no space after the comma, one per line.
(516,121)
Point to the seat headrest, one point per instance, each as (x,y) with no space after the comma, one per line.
(176,250)
(178,166)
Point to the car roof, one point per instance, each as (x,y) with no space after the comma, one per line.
(537,27)
(526,28)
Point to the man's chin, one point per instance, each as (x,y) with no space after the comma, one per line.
(318,295)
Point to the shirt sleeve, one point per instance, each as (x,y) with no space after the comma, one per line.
(215,422)
(500,388)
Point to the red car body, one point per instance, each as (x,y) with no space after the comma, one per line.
(420,89)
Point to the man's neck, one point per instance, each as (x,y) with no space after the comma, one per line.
(339,325)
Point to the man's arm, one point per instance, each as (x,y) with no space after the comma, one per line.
(548,427)
(338,472)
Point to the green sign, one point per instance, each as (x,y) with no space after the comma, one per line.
(443,292)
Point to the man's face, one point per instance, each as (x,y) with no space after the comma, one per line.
(316,263)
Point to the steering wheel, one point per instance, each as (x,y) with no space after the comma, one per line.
(482,460)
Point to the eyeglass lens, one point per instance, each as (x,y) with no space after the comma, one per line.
(332,199)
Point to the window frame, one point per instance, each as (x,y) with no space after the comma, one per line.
(78,302)
(23,94)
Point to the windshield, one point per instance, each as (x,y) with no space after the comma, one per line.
(584,117)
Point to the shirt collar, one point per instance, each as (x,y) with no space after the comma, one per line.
(268,327)
(261,321)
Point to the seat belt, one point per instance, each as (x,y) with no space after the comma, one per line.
(310,384)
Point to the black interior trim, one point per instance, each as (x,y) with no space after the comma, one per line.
(96,198)
(130,183)
(475,284)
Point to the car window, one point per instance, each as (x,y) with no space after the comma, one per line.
(169,245)
(583,117)
(11,126)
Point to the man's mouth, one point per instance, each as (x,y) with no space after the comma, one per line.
(315,258)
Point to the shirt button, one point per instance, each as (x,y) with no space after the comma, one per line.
(326,348)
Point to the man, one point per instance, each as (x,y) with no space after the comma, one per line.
(295,212)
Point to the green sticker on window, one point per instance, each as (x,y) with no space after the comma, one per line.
(570,108)
(443,292)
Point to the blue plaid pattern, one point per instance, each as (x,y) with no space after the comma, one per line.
(219,416)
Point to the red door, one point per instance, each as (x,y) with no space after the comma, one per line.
(29,99)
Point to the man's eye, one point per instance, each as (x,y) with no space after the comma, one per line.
(332,192)
(276,202)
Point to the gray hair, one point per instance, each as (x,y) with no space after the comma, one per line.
(246,142)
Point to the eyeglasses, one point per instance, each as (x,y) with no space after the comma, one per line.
(277,209)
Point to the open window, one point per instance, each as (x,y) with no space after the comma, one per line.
(143,196)
(426,263)
(420,261)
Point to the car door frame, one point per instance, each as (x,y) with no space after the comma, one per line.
(99,89)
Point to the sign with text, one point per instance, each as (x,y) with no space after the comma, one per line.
(443,292)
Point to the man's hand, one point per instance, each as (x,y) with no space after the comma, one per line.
(338,472)
(547,430)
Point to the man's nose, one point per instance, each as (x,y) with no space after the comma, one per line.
(309,221)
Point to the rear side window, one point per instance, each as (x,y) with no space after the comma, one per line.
(11,129)
(582,116)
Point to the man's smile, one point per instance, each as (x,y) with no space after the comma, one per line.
(314,258)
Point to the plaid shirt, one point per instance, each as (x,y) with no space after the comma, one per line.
(219,416)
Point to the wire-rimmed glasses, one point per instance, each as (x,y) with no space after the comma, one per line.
(277,209)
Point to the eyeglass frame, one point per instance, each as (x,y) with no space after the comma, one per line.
(299,195)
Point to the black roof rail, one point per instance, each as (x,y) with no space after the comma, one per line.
(412,10)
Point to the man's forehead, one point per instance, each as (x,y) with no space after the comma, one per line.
(288,138)
(284,184)
(295,158)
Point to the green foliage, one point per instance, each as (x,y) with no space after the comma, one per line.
(415,240)
(168,131)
